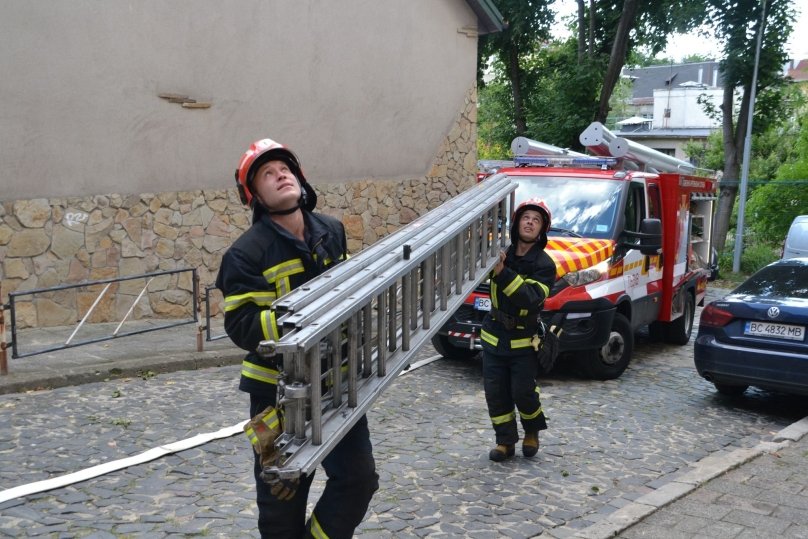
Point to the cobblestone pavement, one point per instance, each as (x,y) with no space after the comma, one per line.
(608,444)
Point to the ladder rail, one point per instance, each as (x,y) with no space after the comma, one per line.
(328,316)
(378,274)
(458,206)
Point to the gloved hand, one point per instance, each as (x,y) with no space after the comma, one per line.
(263,430)
(285,489)
(548,351)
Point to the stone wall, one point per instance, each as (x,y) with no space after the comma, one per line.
(51,242)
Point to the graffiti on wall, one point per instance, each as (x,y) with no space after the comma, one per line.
(75,218)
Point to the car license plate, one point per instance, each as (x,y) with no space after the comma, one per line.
(482,304)
(777,331)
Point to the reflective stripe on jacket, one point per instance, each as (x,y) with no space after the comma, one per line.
(263,264)
(519,291)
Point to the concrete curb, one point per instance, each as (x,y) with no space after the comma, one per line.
(702,471)
(793,432)
(117,369)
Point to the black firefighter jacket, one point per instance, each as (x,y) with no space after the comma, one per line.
(262,265)
(518,291)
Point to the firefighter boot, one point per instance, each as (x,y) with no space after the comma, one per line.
(530,445)
(501,452)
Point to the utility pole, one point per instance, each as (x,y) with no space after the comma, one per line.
(747,149)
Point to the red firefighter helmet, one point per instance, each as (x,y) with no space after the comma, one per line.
(536,204)
(262,151)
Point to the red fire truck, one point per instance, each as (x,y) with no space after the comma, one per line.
(630,237)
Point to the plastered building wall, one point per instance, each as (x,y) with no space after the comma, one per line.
(103,176)
(684,110)
(364,89)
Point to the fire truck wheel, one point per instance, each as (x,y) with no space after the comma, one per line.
(450,351)
(609,361)
(678,331)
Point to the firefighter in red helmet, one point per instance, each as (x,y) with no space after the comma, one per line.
(287,245)
(512,332)
(257,155)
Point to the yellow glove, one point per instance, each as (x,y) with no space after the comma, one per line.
(263,430)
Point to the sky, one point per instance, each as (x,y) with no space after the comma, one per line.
(684,45)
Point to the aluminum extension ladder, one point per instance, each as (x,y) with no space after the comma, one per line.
(348,333)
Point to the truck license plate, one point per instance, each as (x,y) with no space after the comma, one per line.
(482,304)
(777,331)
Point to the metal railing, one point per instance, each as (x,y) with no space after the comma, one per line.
(74,339)
(209,335)
(348,333)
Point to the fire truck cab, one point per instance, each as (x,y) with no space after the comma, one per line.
(630,235)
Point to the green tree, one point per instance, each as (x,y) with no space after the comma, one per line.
(773,206)
(708,154)
(561,105)
(696,58)
(630,25)
(555,89)
(495,126)
(775,152)
(558,107)
(775,197)
(528,25)
(737,24)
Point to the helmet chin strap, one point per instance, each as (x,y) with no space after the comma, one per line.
(288,211)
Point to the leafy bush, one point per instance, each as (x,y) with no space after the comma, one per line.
(492,151)
(756,256)
(753,257)
(772,207)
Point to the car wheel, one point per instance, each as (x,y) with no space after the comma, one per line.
(730,390)
(609,361)
(678,331)
(450,351)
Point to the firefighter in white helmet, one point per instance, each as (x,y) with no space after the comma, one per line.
(287,245)
(512,332)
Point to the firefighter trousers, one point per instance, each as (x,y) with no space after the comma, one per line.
(351,482)
(510,380)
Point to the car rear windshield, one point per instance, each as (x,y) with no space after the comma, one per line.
(780,280)
(797,237)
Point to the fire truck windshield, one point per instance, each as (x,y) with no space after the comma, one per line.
(583,206)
